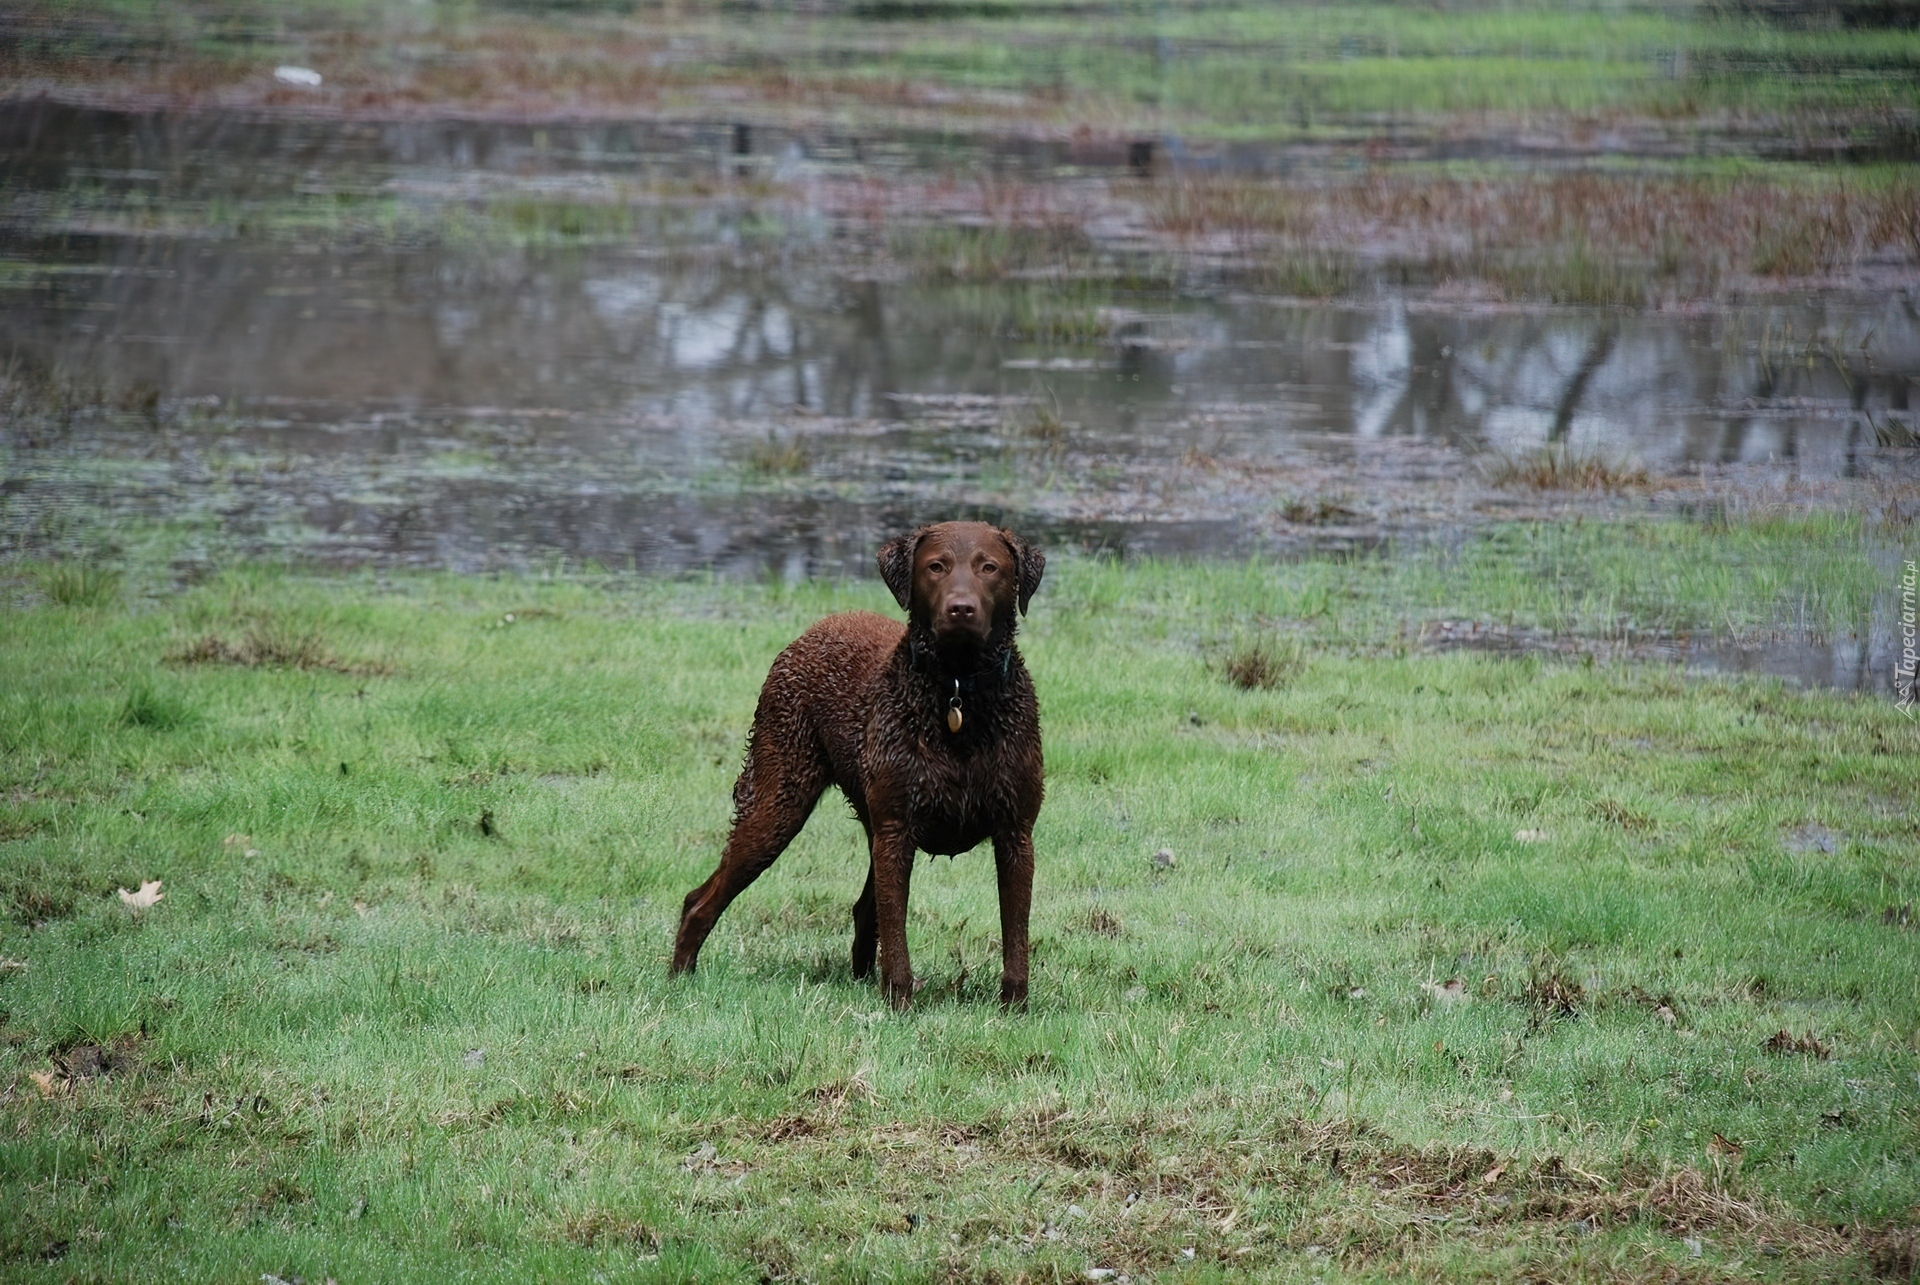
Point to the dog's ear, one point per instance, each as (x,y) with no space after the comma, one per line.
(896,566)
(1029,565)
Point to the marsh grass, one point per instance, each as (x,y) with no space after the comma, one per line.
(1263,664)
(775,456)
(1311,273)
(1563,467)
(80,584)
(156,708)
(1041,425)
(1630,238)
(275,644)
(947,252)
(1317,510)
(1892,431)
(361,1037)
(1604,239)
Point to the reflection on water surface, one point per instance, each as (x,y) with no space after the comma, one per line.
(709,389)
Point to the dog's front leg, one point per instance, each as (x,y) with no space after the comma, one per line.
(1013,867)
(892,877)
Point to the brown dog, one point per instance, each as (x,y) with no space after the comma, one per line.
(931,731)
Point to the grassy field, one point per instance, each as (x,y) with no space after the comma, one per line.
(1460,967)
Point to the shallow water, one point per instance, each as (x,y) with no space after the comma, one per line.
(506,382)
(704,394)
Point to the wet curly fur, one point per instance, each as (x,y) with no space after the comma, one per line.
(864,703)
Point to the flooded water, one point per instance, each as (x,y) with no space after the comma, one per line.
(709,389)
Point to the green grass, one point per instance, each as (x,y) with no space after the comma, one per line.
(1252,1053)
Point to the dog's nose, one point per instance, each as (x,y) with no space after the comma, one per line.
(960,609)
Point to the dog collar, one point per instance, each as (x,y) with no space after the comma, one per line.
(963,684)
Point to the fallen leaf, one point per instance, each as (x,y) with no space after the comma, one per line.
(148,894)
(1665,1014)
(49,1084)
(1493,1174)
(13,965)
(1451,991)
(1529,836)
(238,841)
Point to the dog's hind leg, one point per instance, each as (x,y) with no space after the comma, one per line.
(771,801)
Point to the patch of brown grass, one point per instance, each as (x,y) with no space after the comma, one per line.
(1577,238)
(1785,1043)
(79,1062)
(1264,665)
(779,457)
(34,903)
(1561,468)
(1551,994)
(1206,204)
(597,1227)
(1316,511)
(1370,1197)
(1620,814)
(270,646)
(835,1095)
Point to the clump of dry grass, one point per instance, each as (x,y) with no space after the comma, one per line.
(1603,239)
(778,456)
(1264,664)
(598,1227)
(272,646)
(1785,1043)
(1316,511)
(1551,994)
(1562,468)
(1208,204)
(1042,425)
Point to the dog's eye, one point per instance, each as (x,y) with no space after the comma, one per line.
(988,568)
(937,568)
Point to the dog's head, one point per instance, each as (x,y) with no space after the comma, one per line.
(962,580)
